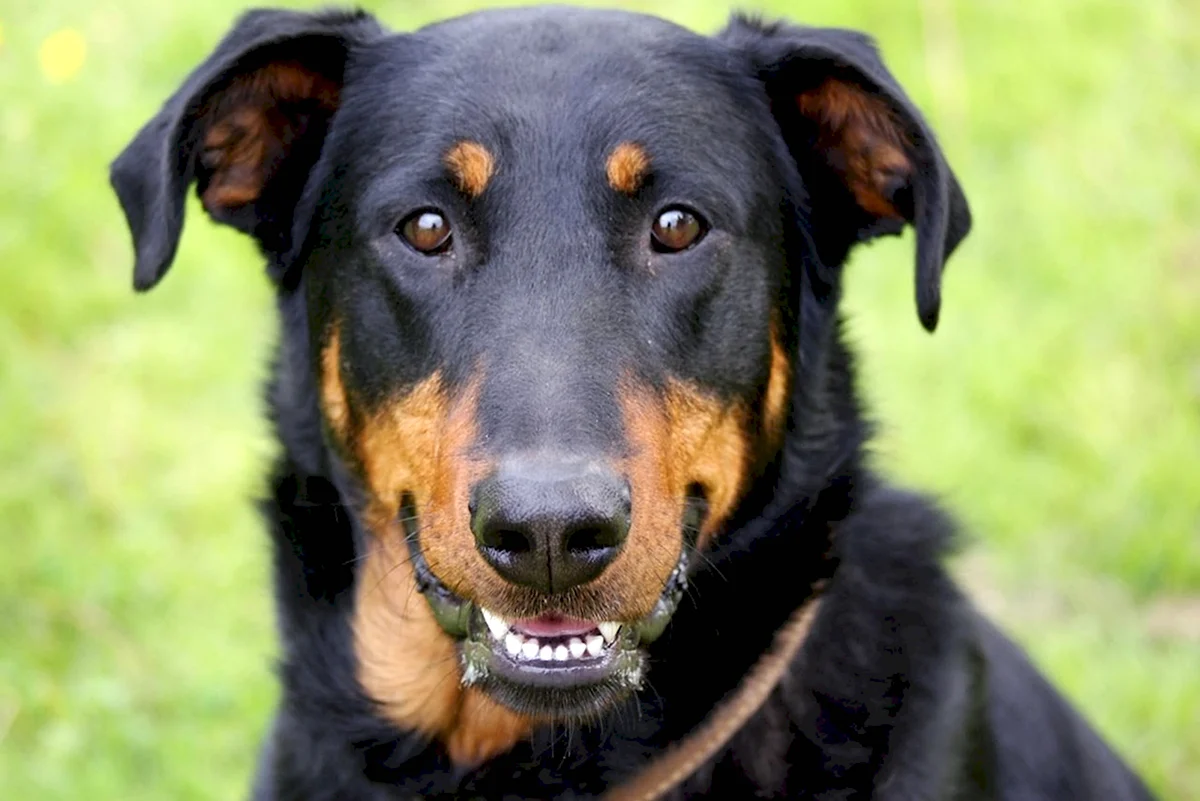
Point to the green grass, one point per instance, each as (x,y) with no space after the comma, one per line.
(1057,410)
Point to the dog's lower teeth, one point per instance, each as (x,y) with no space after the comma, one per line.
(576,647)
(529,649)
(561,654)
(595,644)
(546,654)
(513,643)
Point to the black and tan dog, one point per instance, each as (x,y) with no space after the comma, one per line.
(569,433)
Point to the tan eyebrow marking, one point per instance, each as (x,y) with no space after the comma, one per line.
(471,165)
(626,167)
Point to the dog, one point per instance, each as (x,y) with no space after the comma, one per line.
(572,499)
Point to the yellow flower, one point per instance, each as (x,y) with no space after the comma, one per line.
(62,55)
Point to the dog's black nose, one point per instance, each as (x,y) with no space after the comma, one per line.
(550,523)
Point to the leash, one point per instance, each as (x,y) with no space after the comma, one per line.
(680,761)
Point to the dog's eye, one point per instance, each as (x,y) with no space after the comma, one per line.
(427,231)
(676,229)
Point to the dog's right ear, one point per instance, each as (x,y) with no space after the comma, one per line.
(247,126)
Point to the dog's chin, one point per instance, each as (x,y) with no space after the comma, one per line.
(551,667)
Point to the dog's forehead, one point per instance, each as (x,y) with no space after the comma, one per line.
(555,46)
(590,78)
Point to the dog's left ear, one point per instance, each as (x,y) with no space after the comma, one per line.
(869,162)
(246,126)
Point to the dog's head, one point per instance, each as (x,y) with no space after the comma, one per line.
(552,264)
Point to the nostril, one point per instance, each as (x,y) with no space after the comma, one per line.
(509,540)
(591,538)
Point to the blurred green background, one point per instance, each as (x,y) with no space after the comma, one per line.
(1057,410)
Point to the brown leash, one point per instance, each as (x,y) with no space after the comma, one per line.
(681,760)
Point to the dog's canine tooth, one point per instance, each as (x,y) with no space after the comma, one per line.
(561,654)
(530,648)
(595,644)
(609,630)
(496,624)
(513,643)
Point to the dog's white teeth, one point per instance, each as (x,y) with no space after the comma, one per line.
(523,647)
(609,630)
(496,624)
(530,648)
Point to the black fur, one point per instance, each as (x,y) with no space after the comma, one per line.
(902,691)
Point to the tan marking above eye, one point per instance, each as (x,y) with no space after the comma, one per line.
(471,165)
(626,167)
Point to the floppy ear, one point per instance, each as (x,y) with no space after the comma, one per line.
(869,162)
(247,126)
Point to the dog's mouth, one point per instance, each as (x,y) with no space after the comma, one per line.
(552,666)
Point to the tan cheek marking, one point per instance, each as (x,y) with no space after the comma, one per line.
(333,391)
(406,663)
(682,438)
(626,167)
(657,501)
(778,394)
(709,446)
(396,445)
(471,165)
(862,141)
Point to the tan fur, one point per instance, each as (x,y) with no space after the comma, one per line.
(333,391)
(407,664)
(484,730)
(471,165)
(684,437)
(861,139)
(711,447)
(626,167)
(247,132)
(777,397)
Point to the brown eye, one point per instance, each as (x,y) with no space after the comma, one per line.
(426,231)
(676,229)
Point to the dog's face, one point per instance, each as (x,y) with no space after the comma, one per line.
(545,331)
(553,264)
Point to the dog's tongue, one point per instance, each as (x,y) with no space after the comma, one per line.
(553,626)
